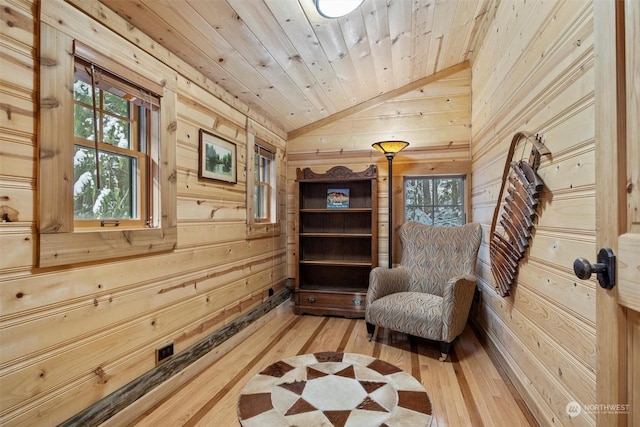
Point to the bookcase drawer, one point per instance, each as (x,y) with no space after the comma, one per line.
(348,300)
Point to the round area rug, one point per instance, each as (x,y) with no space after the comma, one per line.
(333,389)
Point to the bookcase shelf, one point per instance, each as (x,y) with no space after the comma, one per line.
(337,243)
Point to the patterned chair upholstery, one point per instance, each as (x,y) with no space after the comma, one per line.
(429,295)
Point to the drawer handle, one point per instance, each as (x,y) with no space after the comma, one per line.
(357,301)
(311,299)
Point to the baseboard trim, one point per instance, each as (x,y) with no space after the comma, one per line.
(154,385)
(511,378)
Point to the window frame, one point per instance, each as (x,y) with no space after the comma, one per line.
(271,226)
(60,241)
(139,137)
(262,152)
(462,177)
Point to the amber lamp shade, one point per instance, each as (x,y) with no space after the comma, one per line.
(390,148)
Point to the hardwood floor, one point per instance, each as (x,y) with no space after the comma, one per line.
(466,390)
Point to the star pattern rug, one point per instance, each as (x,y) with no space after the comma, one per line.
(333,390)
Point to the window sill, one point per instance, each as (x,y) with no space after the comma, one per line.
(260,230)
(58,249)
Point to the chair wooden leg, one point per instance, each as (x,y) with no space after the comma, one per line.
(444,350)
(375,334)
(370,328)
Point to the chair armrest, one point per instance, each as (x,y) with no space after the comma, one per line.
(384,281)
(456,304)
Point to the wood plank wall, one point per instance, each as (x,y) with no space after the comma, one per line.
(534,71)
(71,335)
(434,119)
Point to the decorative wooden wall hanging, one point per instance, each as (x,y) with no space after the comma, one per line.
(519,209)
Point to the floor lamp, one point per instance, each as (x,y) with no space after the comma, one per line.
(390,149)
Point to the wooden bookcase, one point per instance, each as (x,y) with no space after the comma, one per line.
(337,246)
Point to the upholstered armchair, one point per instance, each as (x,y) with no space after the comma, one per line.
(429,295)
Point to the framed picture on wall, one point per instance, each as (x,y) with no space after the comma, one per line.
(217,158)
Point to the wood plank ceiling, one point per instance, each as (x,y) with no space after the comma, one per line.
(294,67)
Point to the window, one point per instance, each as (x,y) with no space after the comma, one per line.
(435,200)
(264,177)
(93,107)
(263,159)
(264,195)
(116,190)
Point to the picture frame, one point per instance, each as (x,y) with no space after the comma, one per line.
(217,158)
(337,198)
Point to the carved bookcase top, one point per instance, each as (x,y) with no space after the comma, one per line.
(336,173)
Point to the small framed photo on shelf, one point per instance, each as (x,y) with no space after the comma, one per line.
(337,198)
(217,158)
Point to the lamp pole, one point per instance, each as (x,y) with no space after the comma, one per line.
(390,149)
(390,163)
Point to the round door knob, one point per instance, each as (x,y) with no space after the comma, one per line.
(605,268)
(583,268)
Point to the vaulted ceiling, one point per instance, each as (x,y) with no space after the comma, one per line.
(296,68)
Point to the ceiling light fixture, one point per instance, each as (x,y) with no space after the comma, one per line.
(336,8)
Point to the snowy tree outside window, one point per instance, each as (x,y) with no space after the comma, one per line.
(122,119)
(434,200)
(263,182)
